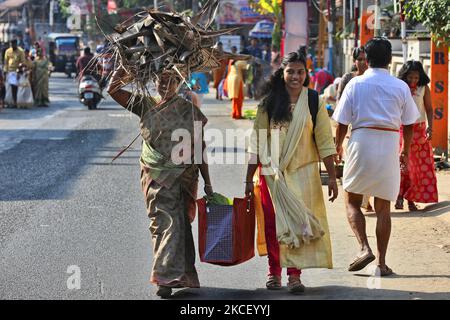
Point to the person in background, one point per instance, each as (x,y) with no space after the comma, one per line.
(83,67)
(266,53)
(199,83)
(24,92)
(14,56)
(254,49)
(20,42)
(376,104)
(243,46)
(329,94)
(27,40)
(358,68)
(235,86)
(322,78)
(418,179)
(33,51)
(219,73)
(43,44)
(105,64)
(39,80)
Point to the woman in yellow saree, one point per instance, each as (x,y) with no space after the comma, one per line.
(288,144)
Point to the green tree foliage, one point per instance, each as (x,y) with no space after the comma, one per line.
(273,8)
(64,6)
(433,14)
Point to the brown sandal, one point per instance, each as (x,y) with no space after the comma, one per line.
(295,286)
(164,292)
(399,204)
(412,206)
(386,271)
(273,282)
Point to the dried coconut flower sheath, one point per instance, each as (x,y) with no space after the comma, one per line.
(166,42)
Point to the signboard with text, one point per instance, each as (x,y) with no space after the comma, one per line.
(439,97)
(237,12)
(367,31)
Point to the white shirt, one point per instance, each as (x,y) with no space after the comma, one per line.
(376,99)
(418,99)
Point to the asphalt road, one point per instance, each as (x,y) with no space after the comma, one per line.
(73,226)
(65,210)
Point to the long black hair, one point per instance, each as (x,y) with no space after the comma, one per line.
(357,51)
(413,65)
(276,102)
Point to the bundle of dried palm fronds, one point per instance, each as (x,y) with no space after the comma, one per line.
(161,41)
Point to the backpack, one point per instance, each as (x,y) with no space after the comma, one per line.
(313,104)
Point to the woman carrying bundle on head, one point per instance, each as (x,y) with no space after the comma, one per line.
(169,176)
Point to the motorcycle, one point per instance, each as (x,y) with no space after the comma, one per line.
(90,93)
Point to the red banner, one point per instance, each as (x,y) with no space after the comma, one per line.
(367,30)
(439,96)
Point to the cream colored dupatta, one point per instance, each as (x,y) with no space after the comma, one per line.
(295,223)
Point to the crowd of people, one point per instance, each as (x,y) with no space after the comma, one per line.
(399,166)
(24,77)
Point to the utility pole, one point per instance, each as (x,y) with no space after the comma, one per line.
(377,32)
(403,32)
(356,19)
(330,37)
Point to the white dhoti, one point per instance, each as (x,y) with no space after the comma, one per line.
(372,165)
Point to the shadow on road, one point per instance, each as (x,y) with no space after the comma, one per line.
(410,276)
(42,169)
(433,210)
(312,293)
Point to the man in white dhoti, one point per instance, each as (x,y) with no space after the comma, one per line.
(376,104)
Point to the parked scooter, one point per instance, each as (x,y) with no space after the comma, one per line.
(90,93)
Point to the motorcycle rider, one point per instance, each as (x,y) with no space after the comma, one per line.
(83,64)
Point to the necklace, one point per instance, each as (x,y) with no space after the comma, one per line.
(292,106)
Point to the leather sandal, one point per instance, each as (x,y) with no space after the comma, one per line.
(412,206)
(399,204)
(273,282)
(295,286)
(386,271)
(164,292)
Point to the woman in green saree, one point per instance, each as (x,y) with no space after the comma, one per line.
(39,79)
(169,177)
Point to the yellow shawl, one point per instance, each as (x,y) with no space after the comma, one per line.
(295,223)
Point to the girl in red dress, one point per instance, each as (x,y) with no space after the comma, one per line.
(418,180)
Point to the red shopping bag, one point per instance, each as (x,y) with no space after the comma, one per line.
(226,233)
